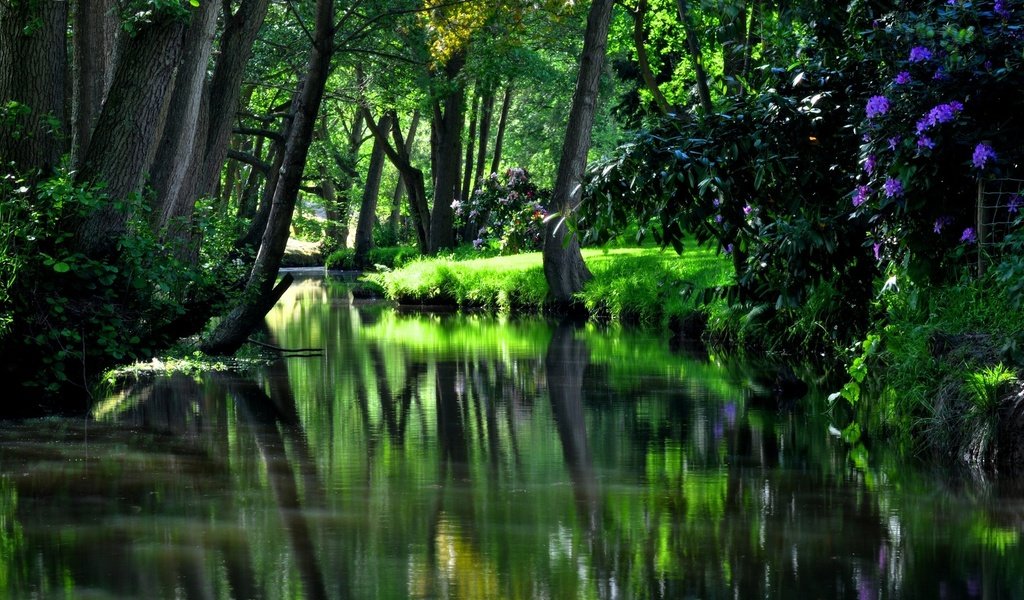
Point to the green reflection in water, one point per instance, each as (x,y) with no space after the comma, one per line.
(434,456)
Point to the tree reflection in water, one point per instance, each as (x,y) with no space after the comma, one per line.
(461,457)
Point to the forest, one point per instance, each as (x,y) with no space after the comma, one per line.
(851,166)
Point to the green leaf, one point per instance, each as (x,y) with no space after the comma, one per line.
(194,3)
(61,267)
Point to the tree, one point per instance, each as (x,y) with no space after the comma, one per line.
(564,269)
(261,294)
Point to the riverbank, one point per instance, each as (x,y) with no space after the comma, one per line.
(939,370)
(646,286)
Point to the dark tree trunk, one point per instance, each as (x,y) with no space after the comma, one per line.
(253,235)
(449,119)
(338,210)
(564,268)
(693,46)
(639,43)
(232,331)
(396,201)
(176,150)
(129,127)
(33,71)
(95,29)
(485,136)
(467,175)
(414,181)
(499,139)
(371,190)
(240,30)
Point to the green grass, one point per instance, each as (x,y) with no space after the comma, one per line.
(643,285)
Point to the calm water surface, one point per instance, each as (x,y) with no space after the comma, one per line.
(427,456)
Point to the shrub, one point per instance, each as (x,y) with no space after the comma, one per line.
(506,214)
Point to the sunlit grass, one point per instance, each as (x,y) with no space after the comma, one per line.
(644,285)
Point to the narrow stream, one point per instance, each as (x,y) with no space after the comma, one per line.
(448,456)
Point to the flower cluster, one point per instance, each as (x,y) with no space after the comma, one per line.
(947,103)
(505,213)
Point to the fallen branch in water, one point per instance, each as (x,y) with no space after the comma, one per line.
(285,350)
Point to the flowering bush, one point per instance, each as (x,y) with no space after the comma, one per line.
(948,115)
(506,214)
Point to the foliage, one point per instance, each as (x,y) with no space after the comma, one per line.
(759,181)
(948,114)
(634,284)
(507,213)
(78,314)
(987,385)
(389,257)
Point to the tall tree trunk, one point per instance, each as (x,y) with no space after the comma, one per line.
(396,201)
(240,30)
(693,46)
(371,190)
(129,128)
(414,181)
(247,199)
(95,34)
(33,70)
(232,331)
(485,135)
(467,176)
(499,139)
(449,119)
(639,43)
(175,153)
(564,268)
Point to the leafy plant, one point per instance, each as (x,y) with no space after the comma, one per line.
(507,213)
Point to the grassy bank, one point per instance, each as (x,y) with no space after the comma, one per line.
(642,285)
(942,372)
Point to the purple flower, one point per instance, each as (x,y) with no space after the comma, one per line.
(982,154)
(747,209)
(941,113)
(877,247)
(893,141)
(716,203)
(861,195)
(942,222)
(1001,10)
(925,142)
(940,75)
(968,236)
(718,218)
(866,138)
(1014,205)
(728,248)
(920,54)
(877,106)
(893,188)
(869,164)
(902,78)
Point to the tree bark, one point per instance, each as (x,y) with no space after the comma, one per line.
(176,150)
(639,43)
(129,127)
(449,117)
(499,139)
(371,190)
(693,46)
(485,135)
(396,201)
(95,36)
(467,177)
(232,331)
(240,30)
(564,268)
(33,66)
(414,181)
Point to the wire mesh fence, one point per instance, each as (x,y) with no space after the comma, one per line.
(998,207)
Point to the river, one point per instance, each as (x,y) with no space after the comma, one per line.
(421,455)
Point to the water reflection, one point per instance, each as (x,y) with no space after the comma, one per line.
(434,456)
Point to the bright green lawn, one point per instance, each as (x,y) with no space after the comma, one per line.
(637,284)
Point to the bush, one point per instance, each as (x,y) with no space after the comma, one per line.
(506,214)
